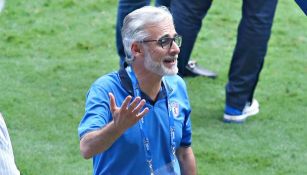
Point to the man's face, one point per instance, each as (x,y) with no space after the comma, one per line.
(160,57)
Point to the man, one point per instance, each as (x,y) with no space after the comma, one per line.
(137,120)
(7,162)
(252,39)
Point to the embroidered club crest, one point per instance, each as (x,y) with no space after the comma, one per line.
(175,109)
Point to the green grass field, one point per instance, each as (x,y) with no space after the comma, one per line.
(51,52)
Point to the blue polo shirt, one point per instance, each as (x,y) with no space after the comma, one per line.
(126,156)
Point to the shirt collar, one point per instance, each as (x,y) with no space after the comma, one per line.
(127,84)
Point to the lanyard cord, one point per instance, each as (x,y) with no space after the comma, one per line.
(146,142)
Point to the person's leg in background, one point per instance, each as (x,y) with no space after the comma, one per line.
(252,40)
(188,16)
(124,8)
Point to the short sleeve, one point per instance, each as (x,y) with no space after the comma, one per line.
(187,127)
(97,112)
(186,133)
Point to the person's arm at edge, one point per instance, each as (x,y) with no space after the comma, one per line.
(186,160)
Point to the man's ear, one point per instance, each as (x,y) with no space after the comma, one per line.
(135,49)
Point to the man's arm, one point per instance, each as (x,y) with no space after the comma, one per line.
(186,160)
(98,141)
(123,118)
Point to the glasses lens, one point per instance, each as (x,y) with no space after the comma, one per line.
(178,40)
(165,41)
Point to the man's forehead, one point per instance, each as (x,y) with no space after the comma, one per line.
(163,28)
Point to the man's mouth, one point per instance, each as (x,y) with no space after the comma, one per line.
(170,60)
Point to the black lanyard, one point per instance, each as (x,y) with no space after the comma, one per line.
(146,142)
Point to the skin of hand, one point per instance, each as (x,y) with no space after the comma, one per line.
(127,115)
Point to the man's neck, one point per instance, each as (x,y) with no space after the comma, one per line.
(149,82)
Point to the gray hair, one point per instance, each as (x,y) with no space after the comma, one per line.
(136,23)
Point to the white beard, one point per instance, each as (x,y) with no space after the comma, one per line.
(158,67)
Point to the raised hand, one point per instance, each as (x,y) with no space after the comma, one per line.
(128,113)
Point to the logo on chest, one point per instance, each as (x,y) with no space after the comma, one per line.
(175,108)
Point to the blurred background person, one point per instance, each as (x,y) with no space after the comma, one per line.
(7,162)
(253,36)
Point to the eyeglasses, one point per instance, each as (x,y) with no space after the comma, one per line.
(166,41)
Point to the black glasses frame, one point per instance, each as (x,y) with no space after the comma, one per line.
(165,41)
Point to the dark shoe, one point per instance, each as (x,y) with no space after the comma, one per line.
(194,70)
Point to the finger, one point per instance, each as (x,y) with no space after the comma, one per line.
(126,102)
(112,102)
(139,106)
(143,113)
(134,103)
